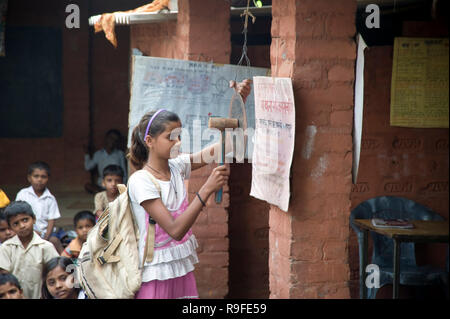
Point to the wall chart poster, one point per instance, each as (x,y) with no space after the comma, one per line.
(193,90)
(274,140)
(419,88)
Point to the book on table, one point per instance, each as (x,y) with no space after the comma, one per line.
(392,223)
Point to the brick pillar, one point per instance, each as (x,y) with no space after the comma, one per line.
(201,33)
(312,42)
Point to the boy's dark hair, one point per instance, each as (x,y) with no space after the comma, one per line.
(39,165)
(118,137)
(18,207)
(138,149)
(84,214)
(9,278)
(2,215)
(60,261)
(113,170)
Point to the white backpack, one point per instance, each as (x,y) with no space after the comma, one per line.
(108,264)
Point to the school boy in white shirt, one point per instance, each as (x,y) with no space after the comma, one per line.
(42,202)
(25,254)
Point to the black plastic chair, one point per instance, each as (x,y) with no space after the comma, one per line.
(383,247)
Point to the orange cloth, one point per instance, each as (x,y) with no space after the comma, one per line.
(107,20)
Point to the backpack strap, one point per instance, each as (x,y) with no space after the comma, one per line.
(107,255)
(150,241)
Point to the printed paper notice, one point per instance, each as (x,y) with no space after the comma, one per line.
(274,140)
(419,88)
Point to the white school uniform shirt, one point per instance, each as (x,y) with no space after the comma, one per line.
(101,159)
(27,264)
(141,188)
(44,207)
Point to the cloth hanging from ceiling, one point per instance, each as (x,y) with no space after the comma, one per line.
(107,20)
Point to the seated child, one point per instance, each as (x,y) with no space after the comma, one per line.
(25,253)
(10,287)
(43,203)
(58,281)
(5,231)
(83,221)
(112,175)
(109,155)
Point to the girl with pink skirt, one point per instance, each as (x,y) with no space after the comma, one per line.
(155,149)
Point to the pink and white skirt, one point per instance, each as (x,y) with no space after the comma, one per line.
(183,287)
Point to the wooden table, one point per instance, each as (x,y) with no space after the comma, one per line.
(424,231)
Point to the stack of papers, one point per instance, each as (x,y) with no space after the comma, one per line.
(391,223)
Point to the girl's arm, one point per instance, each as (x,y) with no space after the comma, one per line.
(177,228)
(198,159)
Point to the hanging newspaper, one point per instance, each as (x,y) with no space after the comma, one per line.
(193,90)
(274,140)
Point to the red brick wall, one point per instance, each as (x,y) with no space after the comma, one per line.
(109,90)
(312,41)
(186,40)
(249,237)
(110,84)
(397,161)
(65,154)
(158,39)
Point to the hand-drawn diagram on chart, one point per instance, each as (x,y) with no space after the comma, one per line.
(193,90)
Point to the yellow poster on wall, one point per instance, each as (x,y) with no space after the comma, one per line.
(419,87)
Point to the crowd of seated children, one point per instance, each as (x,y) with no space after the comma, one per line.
(33,260)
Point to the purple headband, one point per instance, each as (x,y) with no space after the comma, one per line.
(151,120)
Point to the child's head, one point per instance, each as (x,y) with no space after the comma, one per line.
(21,218)
(10,287)
(112,175)
(5,231)
(38,174)
(83,222)
(113,139)
(157,136)
(58,281)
